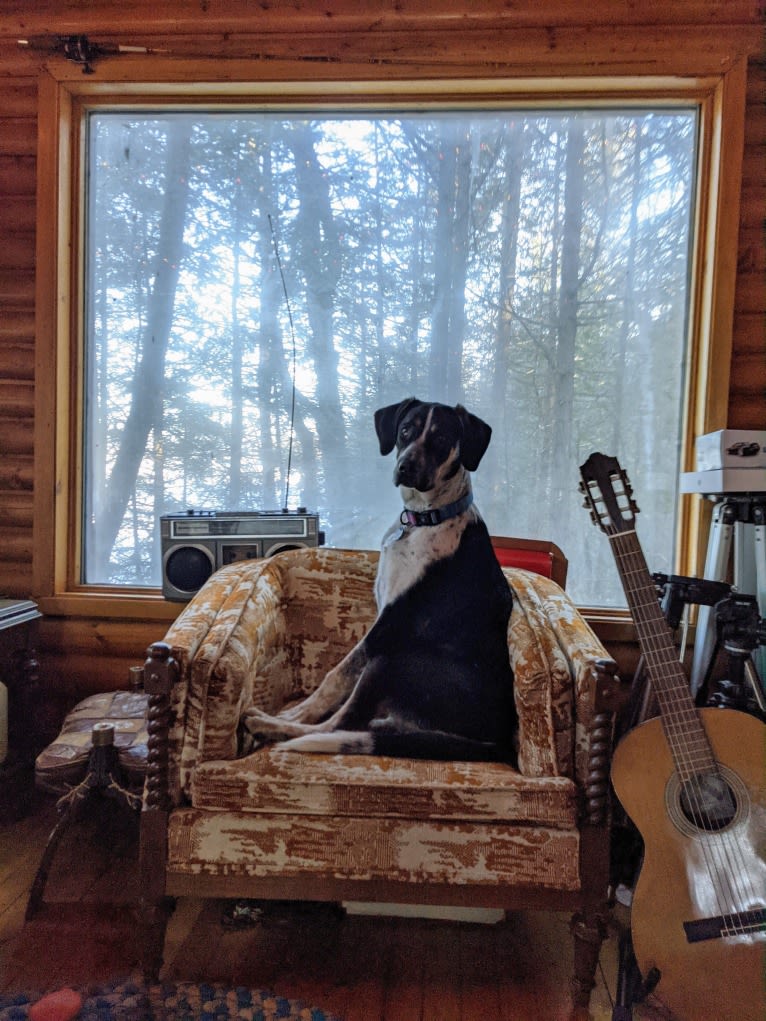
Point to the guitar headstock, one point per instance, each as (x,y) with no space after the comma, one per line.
(608,494)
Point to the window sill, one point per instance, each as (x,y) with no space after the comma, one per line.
(148,604)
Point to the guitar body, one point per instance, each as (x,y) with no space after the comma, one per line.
(690,874)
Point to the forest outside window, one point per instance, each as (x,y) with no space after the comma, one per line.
(531,263)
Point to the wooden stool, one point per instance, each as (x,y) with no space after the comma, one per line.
(100,751)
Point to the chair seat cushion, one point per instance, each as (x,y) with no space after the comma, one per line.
(63,762)
(354,848)
(272,781)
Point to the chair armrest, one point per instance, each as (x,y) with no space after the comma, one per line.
(210,657)
(563,678)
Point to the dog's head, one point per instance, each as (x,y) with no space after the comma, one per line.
(433,441)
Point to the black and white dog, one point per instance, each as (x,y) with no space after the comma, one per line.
(431,678)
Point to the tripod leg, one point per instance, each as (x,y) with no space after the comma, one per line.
(759,536)
(628,979)
(756,684)
(716,565)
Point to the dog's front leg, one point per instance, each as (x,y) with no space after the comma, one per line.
(330,696)
(333,691)
(276,728)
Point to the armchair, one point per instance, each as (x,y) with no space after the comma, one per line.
(282,825)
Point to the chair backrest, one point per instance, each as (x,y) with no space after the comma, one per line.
(536,555)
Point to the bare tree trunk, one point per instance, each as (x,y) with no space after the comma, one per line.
(564,454)
(237,396)
(628,301)
(146,396)
(322,266)
(275,382)
(451,263)
(502,391)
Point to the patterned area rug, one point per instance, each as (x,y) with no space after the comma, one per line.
(134,1001)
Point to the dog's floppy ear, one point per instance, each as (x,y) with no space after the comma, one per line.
(476,436)
(387,423)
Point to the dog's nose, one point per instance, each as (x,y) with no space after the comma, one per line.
(413,474)
(405,472)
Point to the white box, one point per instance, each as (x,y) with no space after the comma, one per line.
(725,480)
(730,448)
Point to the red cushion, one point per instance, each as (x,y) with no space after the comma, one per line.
(530,560)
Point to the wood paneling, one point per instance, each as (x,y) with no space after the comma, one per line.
(747,386)
(181,17)
(341,39)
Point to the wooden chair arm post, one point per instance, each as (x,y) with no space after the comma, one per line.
(607,698)
(160,674)
(589,926)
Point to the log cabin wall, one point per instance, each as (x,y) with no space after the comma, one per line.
(82,655)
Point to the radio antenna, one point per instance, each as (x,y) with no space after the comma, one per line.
(294,360)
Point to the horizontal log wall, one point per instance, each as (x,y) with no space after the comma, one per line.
(345,38)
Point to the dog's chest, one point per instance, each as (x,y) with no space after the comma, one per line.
(406,552)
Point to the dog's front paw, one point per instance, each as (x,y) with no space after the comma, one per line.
(261,726)
(338,742)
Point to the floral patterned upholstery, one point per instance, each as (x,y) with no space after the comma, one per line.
(266,632)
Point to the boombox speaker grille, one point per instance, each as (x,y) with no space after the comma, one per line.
(188,568)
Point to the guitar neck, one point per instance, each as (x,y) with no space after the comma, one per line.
(683,729)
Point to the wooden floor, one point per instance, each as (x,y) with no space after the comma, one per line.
(356,967)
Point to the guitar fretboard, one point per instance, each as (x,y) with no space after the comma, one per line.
(683,729)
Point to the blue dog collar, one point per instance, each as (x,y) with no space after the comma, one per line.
(438,514)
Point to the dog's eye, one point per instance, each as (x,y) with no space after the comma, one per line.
(441,446)
(405,432)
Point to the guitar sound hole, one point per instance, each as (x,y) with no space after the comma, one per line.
(708,802)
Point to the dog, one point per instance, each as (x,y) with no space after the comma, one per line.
(431,678)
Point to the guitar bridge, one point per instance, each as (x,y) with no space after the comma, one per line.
(740,923)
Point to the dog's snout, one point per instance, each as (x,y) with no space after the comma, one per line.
(414,472)
(406,472)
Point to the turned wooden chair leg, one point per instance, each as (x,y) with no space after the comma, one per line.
(154,917)
(589,932)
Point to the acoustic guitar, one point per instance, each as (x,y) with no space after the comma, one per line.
(692,781)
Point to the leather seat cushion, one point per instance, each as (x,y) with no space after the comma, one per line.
(63,762)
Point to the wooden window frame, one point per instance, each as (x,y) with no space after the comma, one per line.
(65,95)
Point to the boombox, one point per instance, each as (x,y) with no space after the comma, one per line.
(197,543)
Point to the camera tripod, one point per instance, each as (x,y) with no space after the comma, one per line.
(739,522)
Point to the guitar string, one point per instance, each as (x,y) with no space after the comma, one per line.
(723,855)
(720,863)
(722,845)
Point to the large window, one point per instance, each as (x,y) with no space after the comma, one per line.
(233,275)
(257,283)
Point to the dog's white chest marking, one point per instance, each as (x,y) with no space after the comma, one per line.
(407,551)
